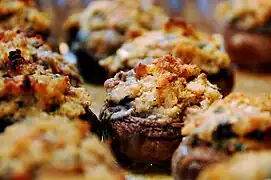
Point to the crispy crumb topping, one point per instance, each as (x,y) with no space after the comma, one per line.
(104,25)
(178,38)
(165,90)
(23,55)
(23,94)
(252,165)
(54,141)
(237,115)
(23,15)
(246,14)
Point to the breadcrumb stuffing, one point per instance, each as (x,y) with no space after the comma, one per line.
(33,78)
(53,94)
(43,140)
(166,90)
(179,39)
(243,114)
(24,55)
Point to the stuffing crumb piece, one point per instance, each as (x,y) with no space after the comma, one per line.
(246,14)
(23,15)
(104,25)
(237,115)
(46,141)
(179,39)
(24,55)
(166,90)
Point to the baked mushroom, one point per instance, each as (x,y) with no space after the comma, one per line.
(23,15)
(33,78)
(247,31)
(146,107)
(236,124)
(182,40)
(43,144)
(104,26)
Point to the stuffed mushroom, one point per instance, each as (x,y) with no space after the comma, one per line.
(236,124)
(247,31)
(104,26)
(42,144)
(146,107)
(182,40)
(34,79)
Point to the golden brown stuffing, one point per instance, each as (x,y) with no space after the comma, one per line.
(104,25)
(165,90)
(249,166)
(33,78)
(45,141)
(22,55)
(23,15)
(178,38)
(240,114)
(246,14)
(23,94)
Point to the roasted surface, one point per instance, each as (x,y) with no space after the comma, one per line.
(55,142)
(23,15)
(147,106)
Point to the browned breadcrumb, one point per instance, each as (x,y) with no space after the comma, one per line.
(249,166)
(53,141)
(22,55)
(245,14)
(243,113)
(23,94)
(23,15)
(166,90)
(178,38)
(106,24)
